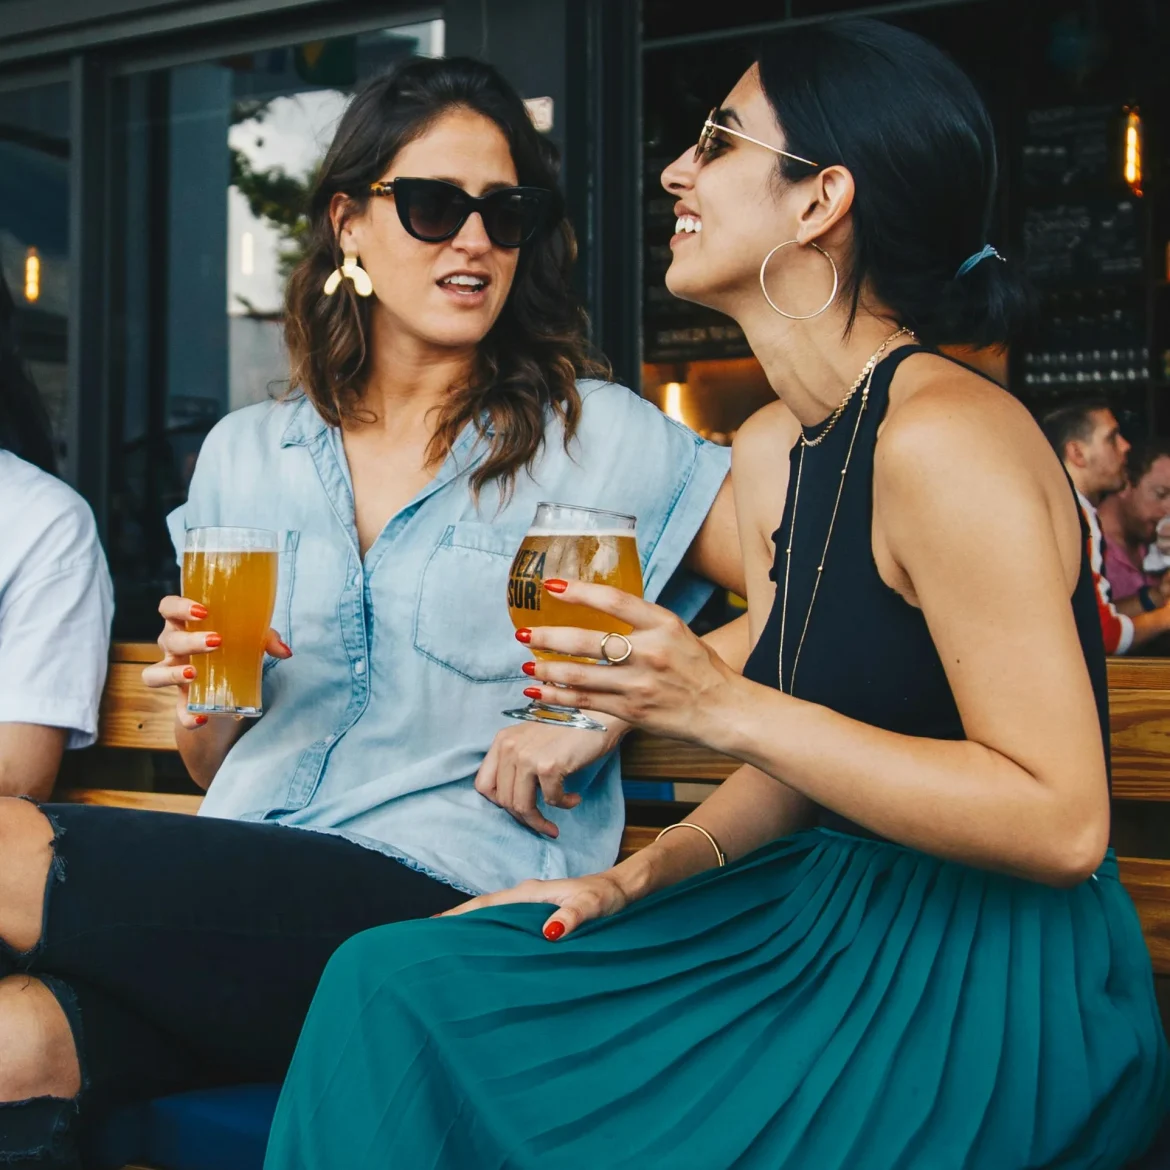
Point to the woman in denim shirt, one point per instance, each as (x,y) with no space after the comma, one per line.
(426,422)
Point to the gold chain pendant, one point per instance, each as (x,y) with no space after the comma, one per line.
(865,377)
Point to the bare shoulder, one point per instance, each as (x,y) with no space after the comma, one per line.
(945,420)
(955,447)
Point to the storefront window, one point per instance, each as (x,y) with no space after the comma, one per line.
(34,234)
(216,160)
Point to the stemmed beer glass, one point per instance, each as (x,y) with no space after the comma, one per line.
(573,544)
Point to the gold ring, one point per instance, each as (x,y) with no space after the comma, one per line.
(621,658)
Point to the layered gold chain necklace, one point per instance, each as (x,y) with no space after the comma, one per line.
(863,382)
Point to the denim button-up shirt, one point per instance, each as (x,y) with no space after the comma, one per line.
(404,659)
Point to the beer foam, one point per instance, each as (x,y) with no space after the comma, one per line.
(548,533)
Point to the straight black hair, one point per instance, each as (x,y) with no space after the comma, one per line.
(24,422)
(908,124)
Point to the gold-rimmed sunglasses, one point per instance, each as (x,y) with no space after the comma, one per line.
(710,126)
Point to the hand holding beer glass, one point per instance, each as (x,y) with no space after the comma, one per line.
(231,573)
(221,623)
(573,544)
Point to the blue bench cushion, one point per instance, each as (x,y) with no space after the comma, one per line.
(209,1129)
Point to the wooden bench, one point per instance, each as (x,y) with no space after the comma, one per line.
(133,716)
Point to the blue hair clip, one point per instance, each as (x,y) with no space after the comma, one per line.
(985,253)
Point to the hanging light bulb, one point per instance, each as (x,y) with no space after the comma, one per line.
(1133,151)
(32,275)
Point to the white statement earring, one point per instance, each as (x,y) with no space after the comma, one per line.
(350,269)
(772,303)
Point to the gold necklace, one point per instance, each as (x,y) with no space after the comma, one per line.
(867,379)
(866,370)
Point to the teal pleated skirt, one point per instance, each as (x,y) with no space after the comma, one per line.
(828,1003)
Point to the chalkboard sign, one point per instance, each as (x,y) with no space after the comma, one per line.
(1072,146)
(1089,241)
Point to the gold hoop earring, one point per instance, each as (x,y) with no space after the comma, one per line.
(350,270)
(799,316)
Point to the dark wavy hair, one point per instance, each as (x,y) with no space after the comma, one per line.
(910,127)
(534,353)
(24,422)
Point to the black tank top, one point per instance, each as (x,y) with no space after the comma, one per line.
(868,653)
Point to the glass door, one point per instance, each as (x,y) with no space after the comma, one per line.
(34,236)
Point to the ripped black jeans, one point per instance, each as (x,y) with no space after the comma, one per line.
(185,952)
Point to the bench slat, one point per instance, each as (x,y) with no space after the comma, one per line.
(1140,742)
(649,757)
(1148,883)
(143,652)
(172,802)
(132,714)
(1140,674)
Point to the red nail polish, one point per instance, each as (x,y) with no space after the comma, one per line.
(188,672)
(554,930)
(529,668)
(213,640)
(532,692)
(200,720)
(556,585)
(198,612)
(286,648)
(524,636)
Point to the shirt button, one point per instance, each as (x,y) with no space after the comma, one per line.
(359,667)
(356,583)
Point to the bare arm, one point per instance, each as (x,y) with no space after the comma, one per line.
(715,553)
(979,524)
(30,756)
(760,481)
(1147,625)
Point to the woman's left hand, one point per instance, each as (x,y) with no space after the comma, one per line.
(578,900)
(671,683)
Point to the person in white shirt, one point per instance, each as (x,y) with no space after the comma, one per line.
(56,601)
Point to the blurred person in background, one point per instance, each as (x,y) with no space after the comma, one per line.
(1134,566)
(1087,437)
(55,591)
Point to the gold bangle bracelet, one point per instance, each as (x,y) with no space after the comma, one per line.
(698,829)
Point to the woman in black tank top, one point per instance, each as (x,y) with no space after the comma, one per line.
(895,939)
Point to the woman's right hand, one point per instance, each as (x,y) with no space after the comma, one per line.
(578,900)
(178,644)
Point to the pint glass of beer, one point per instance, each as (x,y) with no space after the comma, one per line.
(574,544)
(231,571)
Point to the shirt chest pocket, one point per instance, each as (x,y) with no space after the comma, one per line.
(461,613)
